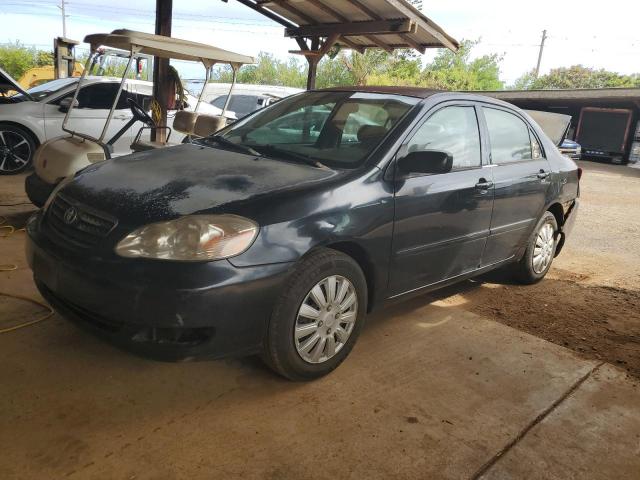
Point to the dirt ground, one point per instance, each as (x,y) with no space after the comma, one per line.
(589,302)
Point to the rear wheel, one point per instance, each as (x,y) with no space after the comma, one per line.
(318,317)
(17,147)
(541,249)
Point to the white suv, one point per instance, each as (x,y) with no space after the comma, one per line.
(28,119)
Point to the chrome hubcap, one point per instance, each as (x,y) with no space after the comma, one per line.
(15,151)
(543,249)
(325,319)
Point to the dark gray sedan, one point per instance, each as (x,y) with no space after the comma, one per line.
(277,235)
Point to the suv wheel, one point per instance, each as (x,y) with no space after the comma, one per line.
(318,317)
(16,149)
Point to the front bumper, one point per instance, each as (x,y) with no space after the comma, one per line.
(163,310)
(37,189)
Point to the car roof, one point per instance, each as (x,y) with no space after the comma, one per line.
(418,92)
(394,90)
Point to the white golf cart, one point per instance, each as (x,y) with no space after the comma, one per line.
(63,156)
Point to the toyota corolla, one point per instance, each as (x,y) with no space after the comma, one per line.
(277,235)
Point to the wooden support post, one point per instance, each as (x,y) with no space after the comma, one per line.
(164,10)
(313,64)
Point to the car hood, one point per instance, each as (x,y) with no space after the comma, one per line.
(8,83)
(555,125)
(170,182)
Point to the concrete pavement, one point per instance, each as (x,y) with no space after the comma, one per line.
(430,391)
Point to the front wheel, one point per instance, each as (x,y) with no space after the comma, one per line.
(541,250)
(16,149)
(318,317)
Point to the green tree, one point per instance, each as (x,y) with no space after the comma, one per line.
(16,59)
(577,76)
(332,73)
(268,70)
(456,71)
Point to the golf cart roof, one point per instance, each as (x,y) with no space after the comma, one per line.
(166,47)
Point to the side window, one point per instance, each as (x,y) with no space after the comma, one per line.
(453,130)
(99,96)
(509,136)
(536,151)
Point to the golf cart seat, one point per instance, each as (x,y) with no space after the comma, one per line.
(184,122)
(208,125)
(139,145)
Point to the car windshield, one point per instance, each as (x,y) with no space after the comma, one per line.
(337,129)
(49,88)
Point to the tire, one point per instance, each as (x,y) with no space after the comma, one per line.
(290,349)
(17,146)
(538,257)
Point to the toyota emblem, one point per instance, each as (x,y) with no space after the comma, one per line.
(70,216)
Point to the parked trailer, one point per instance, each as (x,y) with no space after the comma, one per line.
(604,132)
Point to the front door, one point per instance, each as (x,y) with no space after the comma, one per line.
(521,180)
(442,220)
(89,117)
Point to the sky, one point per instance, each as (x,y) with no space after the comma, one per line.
(599,35)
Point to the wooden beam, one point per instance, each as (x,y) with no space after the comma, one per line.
(434,30)
(313,65)
(252,4)
(363,7)
(164,10)
(287,6)
(319,4)
(379,43)
(306,53)
(352,45)
(351,29)
(412,43)
(321,51)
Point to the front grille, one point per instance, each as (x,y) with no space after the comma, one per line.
(76,223)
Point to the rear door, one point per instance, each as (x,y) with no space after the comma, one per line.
(442,220)
(521,175)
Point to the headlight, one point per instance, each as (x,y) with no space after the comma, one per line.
(191,238)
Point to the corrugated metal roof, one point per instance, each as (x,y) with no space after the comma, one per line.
(358,24)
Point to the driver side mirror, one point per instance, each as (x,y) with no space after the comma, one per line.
(65,104)
(426,162)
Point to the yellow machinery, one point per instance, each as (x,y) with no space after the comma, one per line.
(37,75)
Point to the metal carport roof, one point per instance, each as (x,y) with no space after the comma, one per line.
(318,25)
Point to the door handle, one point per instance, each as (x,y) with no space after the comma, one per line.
(542,174)
(484,184)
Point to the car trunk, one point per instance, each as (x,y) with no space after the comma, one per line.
(555,125)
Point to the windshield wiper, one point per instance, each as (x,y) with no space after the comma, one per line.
(274,150)
(238,146)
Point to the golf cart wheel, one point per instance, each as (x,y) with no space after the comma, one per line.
(541,250)
(318,316)
(17,147)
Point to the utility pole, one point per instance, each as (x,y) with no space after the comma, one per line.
(64,19)
(544,37)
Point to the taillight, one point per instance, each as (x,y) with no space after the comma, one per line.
(579,173)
